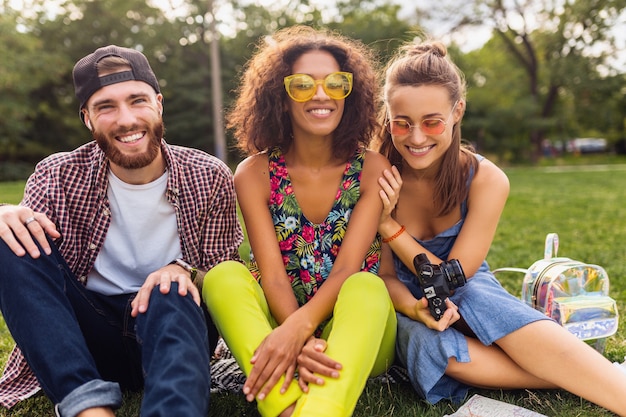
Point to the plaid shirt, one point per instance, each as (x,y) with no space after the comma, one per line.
(71,189)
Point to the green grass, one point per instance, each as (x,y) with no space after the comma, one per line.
(585,205)
(11,192)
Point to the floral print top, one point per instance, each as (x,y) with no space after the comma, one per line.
(309,250)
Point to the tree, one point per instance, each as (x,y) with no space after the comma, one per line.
(54,34)
(78,28)
(499,113)
(376,23)
(25,67)
(558,44)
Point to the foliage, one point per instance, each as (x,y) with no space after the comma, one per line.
(502,124)
(41,114)
(374,23)
(565,52)
(550,76)
(385,31)
(582,203)
(24,69)
(11,171)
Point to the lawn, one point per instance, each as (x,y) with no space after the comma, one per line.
(585,205)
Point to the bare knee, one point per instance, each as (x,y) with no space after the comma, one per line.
(97,412)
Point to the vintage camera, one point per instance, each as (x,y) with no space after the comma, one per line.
(438,281)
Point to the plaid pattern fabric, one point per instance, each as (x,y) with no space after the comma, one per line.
(18,382)
(71,189)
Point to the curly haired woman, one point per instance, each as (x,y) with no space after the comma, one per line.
(310,303)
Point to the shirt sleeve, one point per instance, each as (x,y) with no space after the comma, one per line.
(222,230)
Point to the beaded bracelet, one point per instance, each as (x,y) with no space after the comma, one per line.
(395,235)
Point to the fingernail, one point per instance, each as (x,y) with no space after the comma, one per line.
(261,397)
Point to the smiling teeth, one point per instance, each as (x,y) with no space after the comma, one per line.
(320,111)
(131,138)
(419,150)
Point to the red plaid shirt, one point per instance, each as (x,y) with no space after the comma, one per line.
(71,189)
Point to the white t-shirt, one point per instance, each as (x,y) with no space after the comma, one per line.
(142,237)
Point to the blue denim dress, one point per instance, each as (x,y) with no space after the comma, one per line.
(487,308)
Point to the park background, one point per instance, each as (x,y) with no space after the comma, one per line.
(539,74)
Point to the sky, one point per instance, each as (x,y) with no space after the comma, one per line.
(478,38)
(467,40)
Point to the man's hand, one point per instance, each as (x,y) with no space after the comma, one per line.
(20,225)
(164,278)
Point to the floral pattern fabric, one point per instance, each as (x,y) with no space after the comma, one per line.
(309,250)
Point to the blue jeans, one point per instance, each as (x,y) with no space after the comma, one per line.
(85,348)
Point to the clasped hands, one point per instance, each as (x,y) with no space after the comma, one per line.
(281,354)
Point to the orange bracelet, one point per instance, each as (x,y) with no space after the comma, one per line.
(395,235)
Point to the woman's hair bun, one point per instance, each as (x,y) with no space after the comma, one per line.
(436,48)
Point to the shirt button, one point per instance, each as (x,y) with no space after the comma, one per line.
(92,246)
(83,279)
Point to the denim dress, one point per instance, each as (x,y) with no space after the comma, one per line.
(488,309)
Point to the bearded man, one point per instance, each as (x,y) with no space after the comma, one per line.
(103,259)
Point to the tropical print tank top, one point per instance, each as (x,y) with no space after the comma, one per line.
(309,250)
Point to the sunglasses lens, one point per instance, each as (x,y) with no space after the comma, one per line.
(433,126)
(338,85)
(399,127)
(300,87)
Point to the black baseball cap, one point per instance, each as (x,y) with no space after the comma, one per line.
(87,81)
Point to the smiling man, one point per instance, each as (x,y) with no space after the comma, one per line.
(103,258)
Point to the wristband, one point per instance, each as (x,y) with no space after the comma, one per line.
(192,271)
(395,235)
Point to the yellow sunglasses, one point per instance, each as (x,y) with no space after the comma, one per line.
(302,87)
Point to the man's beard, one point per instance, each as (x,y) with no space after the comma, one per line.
(154,134)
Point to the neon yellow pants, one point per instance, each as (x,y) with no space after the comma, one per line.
(360,336)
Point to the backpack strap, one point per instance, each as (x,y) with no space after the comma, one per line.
(550,251)
(552,246)
(509,269)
